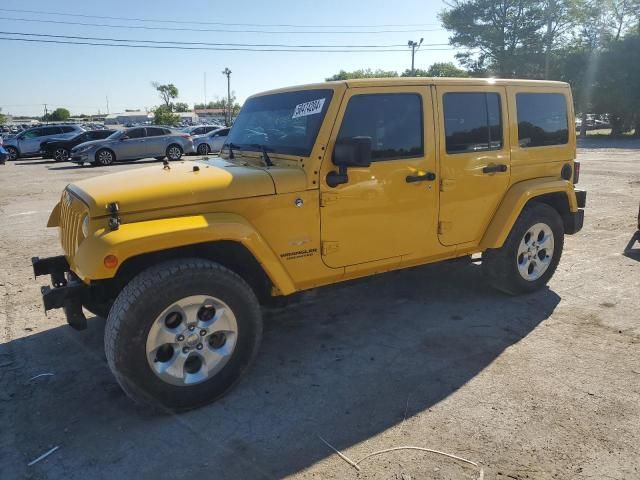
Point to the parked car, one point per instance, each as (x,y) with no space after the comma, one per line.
(200,129)
(27,143)
(133,144)
(210,142)
(59,149)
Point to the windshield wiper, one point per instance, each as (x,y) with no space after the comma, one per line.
(265,155)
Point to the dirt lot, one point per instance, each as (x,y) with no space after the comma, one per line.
(540,386)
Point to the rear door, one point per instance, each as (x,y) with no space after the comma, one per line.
(217,139)
(474,160)
(157,141)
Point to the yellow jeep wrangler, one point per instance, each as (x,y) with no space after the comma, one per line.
(315,185)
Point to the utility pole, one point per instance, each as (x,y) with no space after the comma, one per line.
(414,46)
(107,98)
(45,113)
(205,90)
(227,72)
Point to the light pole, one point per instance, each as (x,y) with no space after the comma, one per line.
(414,46)
(227,72)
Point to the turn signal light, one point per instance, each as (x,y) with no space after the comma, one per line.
(111,261)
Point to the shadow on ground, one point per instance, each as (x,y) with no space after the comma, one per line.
(347,362)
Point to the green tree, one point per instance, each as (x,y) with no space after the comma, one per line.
(501,37)
(362,73)
(3,118)
(164,115)
(438,69)
(181,107)
(58,115)
(167,93)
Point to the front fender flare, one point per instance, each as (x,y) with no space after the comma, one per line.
(515,200)
(133,239)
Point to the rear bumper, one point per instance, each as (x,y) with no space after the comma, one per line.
(67,291)
(573,222)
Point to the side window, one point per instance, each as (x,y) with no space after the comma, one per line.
(392,121)
(472,121)
(51,131)
(542,119)
(135,133)
(36,132)
(223,133)
(155,131)
(68,129)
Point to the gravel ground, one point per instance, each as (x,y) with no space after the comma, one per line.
(533,387)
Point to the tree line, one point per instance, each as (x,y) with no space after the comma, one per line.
(592,44)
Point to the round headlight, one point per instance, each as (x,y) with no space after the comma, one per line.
(85,226)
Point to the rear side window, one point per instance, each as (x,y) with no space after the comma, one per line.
(51,130)
(68,129)
(155,131)
(392,121)
(542,119)
(472,121)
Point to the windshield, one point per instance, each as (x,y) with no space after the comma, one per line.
(115,135)
(283,122)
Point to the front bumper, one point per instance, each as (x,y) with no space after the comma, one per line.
(81,158)
(67,292)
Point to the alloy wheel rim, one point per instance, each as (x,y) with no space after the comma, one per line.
(174,153)
(535,252)
(60,154)
(13,154)
(105,158)
(191,340)
(204,149)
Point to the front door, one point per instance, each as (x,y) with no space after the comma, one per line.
(474,160)
(30,141)
(386,210)
(133,147)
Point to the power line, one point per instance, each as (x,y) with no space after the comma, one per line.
(102,39)
(134,19)
(185,29)
(232,49)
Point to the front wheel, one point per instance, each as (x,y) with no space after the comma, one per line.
(61,154)
(13,153)
(530,254)
(104,157)
(174,152)
(182,333)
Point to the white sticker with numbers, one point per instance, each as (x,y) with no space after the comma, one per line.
(308,108)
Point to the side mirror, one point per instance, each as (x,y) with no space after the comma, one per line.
(352,152)
(124,137)
(349,152)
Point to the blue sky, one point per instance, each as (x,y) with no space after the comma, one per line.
(80,77)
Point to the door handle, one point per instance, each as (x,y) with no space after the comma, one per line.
(427,177)
(494,168)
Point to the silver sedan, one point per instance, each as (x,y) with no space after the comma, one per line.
(210,142)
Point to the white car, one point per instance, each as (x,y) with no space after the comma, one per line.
(210,142)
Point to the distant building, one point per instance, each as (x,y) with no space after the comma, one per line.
(127,117)
(214,115)
(187,117)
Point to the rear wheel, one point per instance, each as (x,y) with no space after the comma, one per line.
(174,152)
(61,154)
(203,149)
(530,254)
(182,333)
(104,157)
(13,153)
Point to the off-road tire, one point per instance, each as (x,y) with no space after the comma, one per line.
(103,160)
(500,265)
(13,153)
(174,152)
(145,298)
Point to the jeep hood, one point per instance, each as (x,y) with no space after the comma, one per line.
(184,183)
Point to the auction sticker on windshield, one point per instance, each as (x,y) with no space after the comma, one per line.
(308,108)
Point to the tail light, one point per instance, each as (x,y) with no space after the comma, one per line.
(576,172)
(187,136)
